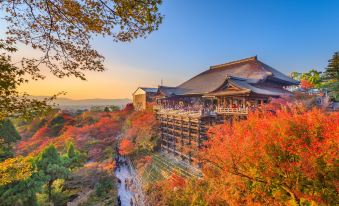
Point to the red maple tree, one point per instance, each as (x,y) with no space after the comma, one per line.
(283,155)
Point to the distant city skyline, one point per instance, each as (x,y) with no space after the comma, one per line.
(287,35)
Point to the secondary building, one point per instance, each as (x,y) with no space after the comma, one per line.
(143,96)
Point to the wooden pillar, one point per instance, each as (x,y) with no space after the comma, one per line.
(182,130)
(198,133)
(189,130)
(161,131)
(173,133)
(182,134)
(165,128)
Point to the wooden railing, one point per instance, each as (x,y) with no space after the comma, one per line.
(178,111)
(219,110)
(226,110)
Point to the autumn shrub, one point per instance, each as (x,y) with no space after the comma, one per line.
(94,137)
(15,169)
(306,84)
(126,147)
(177,191)
(141,128)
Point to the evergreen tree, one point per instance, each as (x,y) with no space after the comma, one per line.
(8,135)
(21,193)
(73,157)
(51,167)
(331,76)
(106,109)
(313,77)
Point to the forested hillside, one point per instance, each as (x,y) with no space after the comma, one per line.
(283,153)
(60,157)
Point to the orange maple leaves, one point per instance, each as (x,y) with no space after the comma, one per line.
(126,147)
(284,150)
(305,84)
(91,132)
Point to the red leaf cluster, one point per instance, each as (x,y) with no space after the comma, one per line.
(90,132)
(126,147)
(305,84)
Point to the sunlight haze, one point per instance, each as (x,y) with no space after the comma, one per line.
(197,34)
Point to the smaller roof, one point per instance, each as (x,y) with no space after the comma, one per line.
(260,89)
(147,89)
(167,91)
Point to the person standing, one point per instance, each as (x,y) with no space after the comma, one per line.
(119,201)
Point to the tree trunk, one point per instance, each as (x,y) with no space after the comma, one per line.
(49,187)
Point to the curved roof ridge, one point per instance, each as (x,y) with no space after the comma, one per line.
(254,58)
(278,74)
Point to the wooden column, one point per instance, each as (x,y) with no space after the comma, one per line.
(198,132)
(173,133)
(189,130)
(161,131)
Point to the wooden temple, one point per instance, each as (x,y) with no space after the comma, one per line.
(224,92)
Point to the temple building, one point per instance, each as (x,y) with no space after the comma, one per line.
(142,96)
(224,92)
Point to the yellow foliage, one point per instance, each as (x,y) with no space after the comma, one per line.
(15,169)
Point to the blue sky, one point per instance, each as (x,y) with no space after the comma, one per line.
(288,35)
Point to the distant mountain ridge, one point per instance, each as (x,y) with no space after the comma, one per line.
(67,102)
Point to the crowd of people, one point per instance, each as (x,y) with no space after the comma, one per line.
(203,109)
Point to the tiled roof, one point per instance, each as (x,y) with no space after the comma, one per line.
(149,89)
(260,89)
(251,69)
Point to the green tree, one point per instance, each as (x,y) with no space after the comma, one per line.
(62,32)
(73,158)
(331,76)
(8,135)
(114,108)
(313,77)
(106,109)
(104,186)
(19,182)
(296,75)
(51,167)
(21,193)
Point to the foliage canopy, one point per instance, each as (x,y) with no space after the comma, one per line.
(62,32)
